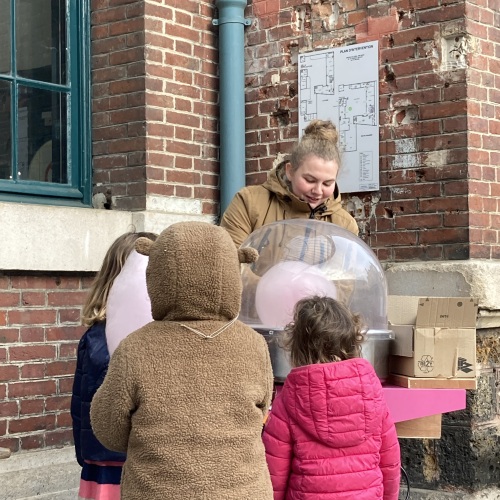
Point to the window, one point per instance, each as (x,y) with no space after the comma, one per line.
(44,101)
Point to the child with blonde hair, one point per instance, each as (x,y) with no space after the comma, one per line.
(329,434)
(101,467)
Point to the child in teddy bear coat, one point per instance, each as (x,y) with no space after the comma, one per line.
(185,396)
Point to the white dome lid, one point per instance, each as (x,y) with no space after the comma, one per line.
(303,257)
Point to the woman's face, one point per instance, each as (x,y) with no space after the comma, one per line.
(314,180)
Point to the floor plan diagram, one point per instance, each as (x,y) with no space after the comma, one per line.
(341,85)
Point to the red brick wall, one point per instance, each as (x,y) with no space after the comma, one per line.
(154,70)
(39,333)
(154,101)
(118,102)
(483,92)
(426,200)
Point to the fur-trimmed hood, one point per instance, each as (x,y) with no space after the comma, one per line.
(255,206)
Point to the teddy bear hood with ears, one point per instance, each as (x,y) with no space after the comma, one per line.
(194,272)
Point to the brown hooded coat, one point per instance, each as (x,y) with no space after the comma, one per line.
(255,206)
(188,410)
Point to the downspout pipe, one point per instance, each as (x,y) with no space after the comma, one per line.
(231,23)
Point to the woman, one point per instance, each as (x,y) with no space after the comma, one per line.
(305,187)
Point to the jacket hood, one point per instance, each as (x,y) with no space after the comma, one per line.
(335,403)
(193,273)
(278,184)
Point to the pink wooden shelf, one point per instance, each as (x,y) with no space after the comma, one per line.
(409,404)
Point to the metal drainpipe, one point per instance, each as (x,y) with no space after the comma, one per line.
(231,24)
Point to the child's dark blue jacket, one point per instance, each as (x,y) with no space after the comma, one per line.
(92,365)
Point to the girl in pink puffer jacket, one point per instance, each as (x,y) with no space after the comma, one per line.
(329,435)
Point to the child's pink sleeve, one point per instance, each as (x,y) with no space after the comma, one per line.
(279,449)
(390,459)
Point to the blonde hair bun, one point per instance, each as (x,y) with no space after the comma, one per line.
(322,130)
(320,138)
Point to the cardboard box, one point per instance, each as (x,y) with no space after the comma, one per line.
(432,382)
(423,427)
(434,336)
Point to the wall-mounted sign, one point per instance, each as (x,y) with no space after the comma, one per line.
(341,85)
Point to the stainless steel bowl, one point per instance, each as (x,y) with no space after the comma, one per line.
(280,359)
(375,349)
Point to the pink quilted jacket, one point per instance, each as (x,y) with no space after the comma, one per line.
(329,436)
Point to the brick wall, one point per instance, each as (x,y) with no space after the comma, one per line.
(154,102)
(428,101)
(154,70)
(483,92)
(118,102)
(39,333)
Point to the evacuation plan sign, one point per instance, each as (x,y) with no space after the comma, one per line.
(341,85)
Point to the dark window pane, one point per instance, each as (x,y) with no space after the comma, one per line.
(5,66)
(41,40)
(41,136)
(5,132)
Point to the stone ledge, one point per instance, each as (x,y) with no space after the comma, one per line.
(52,238)
(471,278)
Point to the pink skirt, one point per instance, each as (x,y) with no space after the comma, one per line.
(100,481)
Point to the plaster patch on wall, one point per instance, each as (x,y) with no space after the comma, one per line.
(406,145)
(455,49)
(401,103)
(405,115)
(362,208)
(406,161)
(98,200)
(302,17)
(437,158)
(174,205)
(355,206)
(375,199)
(401,191)
(280,158)
(432,53)
(328,11)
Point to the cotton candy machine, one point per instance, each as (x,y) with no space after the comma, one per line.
(300,258)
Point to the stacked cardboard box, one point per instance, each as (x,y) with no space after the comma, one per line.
(435,341)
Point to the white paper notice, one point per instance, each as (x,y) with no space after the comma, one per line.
(341,85)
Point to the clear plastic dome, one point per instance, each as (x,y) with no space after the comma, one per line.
(302,257)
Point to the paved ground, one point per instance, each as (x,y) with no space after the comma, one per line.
(41,475)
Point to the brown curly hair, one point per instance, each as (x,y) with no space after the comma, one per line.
(323,330)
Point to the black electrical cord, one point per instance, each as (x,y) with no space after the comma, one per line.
(407,481)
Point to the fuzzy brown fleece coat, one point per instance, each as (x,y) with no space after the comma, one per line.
(255,206)
(188,410)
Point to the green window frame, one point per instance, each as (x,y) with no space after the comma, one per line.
(46,122)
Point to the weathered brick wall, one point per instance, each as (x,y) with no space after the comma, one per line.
(118,103)
(483,54)
(181,69)
(154,102)
(39,333)
(422,209)
(154,70)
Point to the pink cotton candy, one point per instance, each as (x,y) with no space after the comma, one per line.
(283,286)
(128,307)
